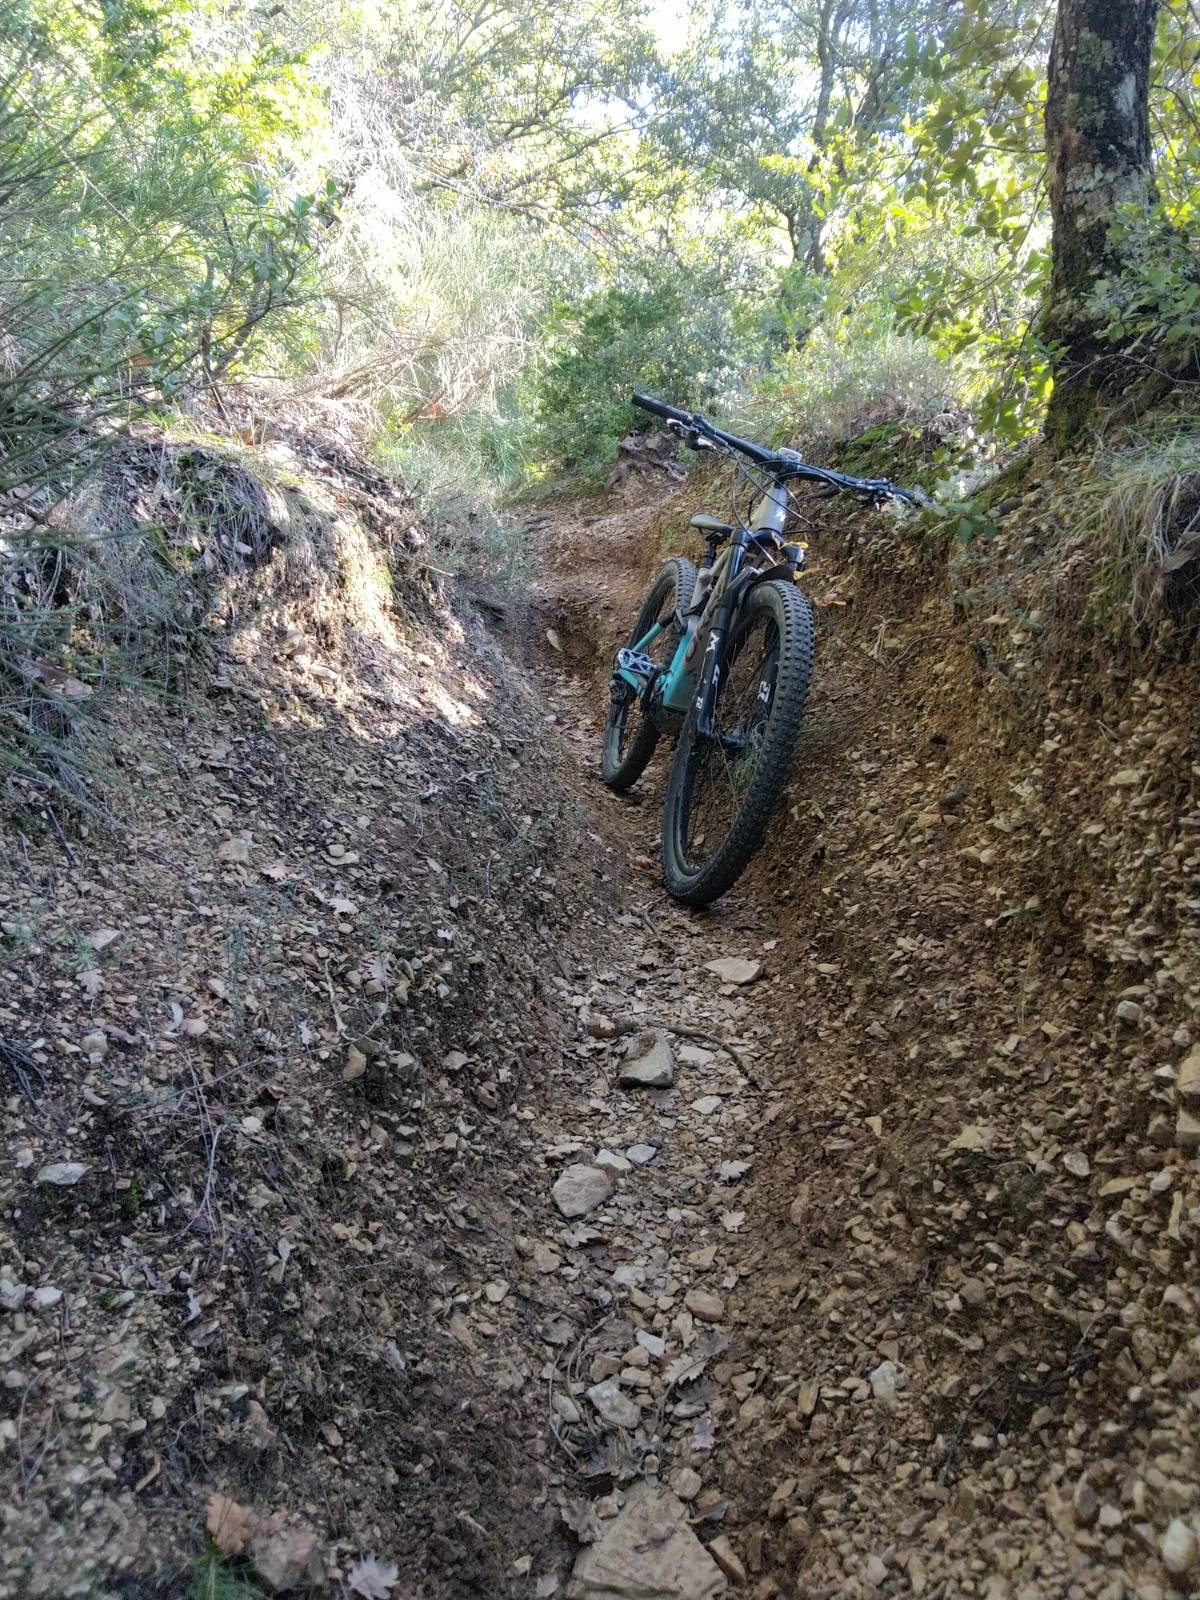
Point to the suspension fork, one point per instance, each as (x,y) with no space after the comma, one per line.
(714,653)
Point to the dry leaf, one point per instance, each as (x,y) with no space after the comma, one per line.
(975,1136)
(684,1369)
(373,1579)
(731,1171)
(582,1521)
(229,1525)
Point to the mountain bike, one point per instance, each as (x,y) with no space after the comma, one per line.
(721,658)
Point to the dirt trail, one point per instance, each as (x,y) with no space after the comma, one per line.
(884,1282)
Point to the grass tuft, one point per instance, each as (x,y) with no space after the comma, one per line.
(1139,506)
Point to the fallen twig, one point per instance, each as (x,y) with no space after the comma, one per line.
(20,1063)
(636,1024)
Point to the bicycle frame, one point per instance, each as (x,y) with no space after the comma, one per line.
(683,681)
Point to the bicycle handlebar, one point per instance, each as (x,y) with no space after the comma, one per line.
(784,463)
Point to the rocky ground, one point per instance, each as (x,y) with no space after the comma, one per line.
(405,1192)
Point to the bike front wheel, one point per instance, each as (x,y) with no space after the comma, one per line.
(724,787)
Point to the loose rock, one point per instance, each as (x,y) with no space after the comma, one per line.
(734,969)
(613,1406)
(1179,1548)
(63,1173)
(648,1552)
(649,1063)
(581,1189)
(686,1482)
(1187,1077)
(703,1305)
(727,1559)
(641,1154)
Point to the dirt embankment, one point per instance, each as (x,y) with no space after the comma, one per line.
(386,1160)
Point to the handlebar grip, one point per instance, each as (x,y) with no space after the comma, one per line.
(658,409)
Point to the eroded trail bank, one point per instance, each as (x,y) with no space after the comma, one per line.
(964,1354)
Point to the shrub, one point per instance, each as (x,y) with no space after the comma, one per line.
(676,336)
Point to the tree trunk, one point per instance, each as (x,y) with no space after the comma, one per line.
(1098,152)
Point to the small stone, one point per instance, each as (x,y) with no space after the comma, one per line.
(63,1173)
(1085,1503)
(12,1295)
(734,969)
(1179,1549)
(876,1572)
(615,1408)
(581,1189)
(495,1291)
(703,1305)
(707,1104)
(733,1171)
(117,1408)
(609,1161)
(356,1064)
(45,1297)
(102,938)
(95,1044)
(1187,1131)
(566,1408)
(883,1380)
(727,1558)
(1187,1077)
(1077,1163)
(641,1154)
(649,1063)
(686,1482)
(235,851)
(460,1332)
(1128,1012)
(973,1293)
(545,1259)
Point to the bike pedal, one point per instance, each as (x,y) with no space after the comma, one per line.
(637,662)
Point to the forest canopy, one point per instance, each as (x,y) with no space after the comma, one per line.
(479,224)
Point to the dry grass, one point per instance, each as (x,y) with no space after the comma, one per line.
(113,588)
(1135,508)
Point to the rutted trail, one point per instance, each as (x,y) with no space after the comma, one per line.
(401,1167)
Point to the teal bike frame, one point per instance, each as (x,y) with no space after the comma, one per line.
(689,675)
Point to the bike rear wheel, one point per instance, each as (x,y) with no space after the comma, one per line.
(629,734)
(724,788)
